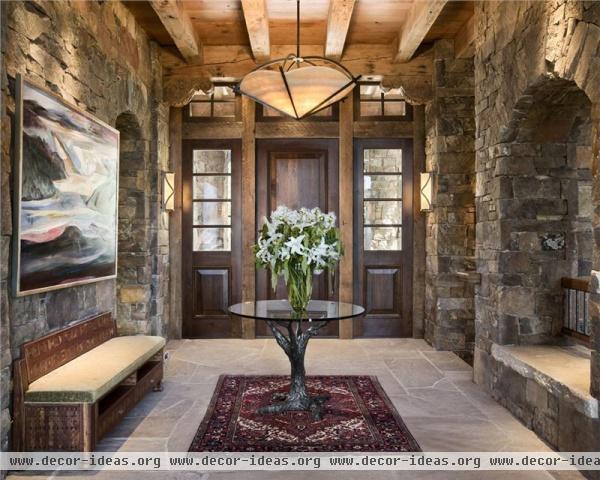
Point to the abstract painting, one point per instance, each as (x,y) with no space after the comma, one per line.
(65,194)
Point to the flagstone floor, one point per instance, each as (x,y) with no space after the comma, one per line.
(432,391)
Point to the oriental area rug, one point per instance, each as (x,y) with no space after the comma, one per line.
(358,417)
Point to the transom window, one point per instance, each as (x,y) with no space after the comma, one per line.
(217,103)
(211,193)
(264,113)
(375,102)
(382,199)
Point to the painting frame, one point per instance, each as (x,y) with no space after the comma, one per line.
(17,246)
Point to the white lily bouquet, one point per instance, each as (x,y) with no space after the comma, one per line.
(296,244)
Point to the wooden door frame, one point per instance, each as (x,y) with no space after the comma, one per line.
(406,145)
(235,262)
(263,148)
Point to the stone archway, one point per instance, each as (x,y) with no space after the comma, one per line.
(543,193)
(134,273)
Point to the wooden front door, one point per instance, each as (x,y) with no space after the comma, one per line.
(298,173)
(211,245)
(383,237)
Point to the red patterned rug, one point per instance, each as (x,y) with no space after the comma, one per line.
(358,417)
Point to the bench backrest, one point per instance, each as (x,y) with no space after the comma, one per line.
(57,348)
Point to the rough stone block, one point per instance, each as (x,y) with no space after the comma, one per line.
(576,431)
(536,395)
(516,262)
(507,330)
(517,301)
(514,166)
(536,187)
(569,64)
(134,294)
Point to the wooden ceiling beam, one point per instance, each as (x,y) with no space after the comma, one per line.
(464,42)
(179,25)
(257,24)
(421,17)
(338,22)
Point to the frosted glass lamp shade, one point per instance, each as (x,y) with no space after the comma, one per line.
(298,92)
(426,191)
(169,191)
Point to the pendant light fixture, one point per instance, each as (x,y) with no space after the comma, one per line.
(298,86)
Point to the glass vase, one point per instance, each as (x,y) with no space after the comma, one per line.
(299,287)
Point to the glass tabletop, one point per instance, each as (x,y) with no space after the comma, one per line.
(281,310)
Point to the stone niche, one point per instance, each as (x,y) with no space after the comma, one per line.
(543,187)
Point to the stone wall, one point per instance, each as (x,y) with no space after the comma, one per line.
(450,237)
(94,55)
(537,85)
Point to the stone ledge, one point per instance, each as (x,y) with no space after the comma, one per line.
(564,371)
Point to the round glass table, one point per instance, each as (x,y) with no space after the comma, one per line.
(292,330)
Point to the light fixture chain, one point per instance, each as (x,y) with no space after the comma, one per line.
(297,28)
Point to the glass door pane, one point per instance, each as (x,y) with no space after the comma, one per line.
(211,195)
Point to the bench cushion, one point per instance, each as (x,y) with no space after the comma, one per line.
(92,375)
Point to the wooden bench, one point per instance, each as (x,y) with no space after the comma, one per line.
(73,385)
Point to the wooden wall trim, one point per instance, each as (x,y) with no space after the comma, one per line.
(346,216)
(175,227)
(383,129)
(262,130)
(248,210)
(418,310)
(297,129)
(211,130)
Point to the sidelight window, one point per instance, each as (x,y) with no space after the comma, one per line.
(382,199)
(211,189)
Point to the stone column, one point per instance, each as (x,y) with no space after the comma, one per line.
(450,237)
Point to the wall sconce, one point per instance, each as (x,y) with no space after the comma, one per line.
(426,191)
(169,191)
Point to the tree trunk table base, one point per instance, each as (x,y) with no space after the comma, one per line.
(294,345)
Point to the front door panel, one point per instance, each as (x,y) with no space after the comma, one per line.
(295,174)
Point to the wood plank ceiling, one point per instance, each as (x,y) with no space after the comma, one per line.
(403,25)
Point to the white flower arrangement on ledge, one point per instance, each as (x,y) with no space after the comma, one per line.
(296,244)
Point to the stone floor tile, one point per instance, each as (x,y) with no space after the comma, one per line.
(144,427)
(448,362)
(458,434)
(422,402)
(414,372)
